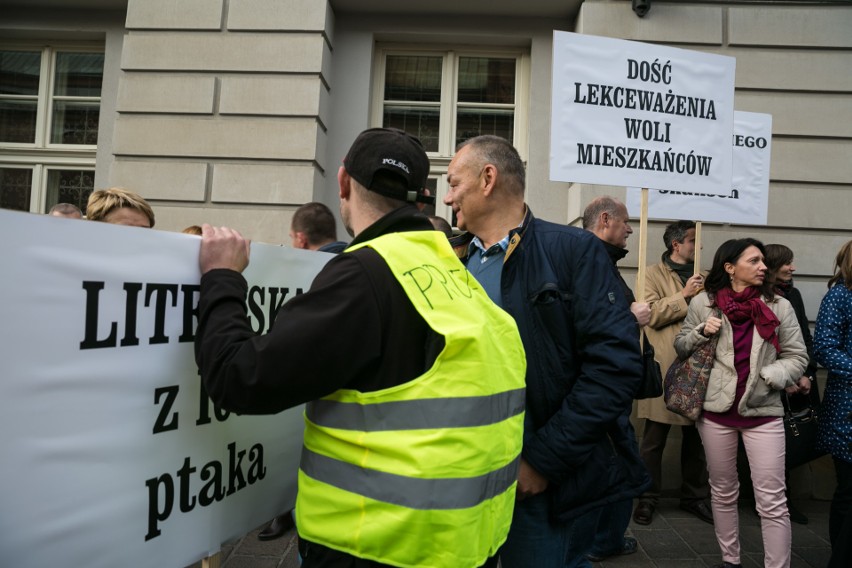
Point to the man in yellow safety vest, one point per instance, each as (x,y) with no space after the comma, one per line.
(414,379)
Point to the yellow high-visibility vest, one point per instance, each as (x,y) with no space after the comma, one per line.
(423,473)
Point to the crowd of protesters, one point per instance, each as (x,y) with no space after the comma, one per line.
(492,422)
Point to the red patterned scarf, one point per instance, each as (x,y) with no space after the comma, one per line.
(747,305)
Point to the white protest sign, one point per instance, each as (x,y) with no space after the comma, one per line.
(635,114)
(112,456)
(746,202)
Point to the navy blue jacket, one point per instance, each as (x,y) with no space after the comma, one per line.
(583,365)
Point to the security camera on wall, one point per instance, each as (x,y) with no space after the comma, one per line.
(641,7)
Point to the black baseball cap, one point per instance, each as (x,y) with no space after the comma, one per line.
(391,163)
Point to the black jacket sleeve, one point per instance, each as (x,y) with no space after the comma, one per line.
(795,298)
(319,342)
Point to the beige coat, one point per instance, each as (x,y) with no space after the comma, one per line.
(668,310)
(769,371)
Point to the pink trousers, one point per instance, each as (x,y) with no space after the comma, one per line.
(764,447)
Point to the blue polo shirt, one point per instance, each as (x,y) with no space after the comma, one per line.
(486,265)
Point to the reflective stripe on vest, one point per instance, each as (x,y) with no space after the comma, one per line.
(411,492)
(417,414)
(422,473)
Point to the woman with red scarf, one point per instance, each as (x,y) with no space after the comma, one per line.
(760,351)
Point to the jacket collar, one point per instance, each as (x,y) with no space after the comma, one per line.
(405,218)
(461,243)
(615,253)
(516,234)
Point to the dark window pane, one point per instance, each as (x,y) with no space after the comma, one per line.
(473,122)
(69,186)
(75,123)
(413,78)
(19,72)
(79,74)
(432,185)
(15,188)
(417,121)
(486,80)
(18,121)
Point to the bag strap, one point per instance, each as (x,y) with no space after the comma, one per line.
(645,344)
(785,402)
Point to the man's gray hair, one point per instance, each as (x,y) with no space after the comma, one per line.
(500,153)
(605,204)
(65,209)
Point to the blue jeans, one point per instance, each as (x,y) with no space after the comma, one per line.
(607,525)
(536,541)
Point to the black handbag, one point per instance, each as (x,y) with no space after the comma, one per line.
(801,418)
(652,376)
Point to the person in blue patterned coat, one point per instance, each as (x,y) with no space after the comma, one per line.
(833,347)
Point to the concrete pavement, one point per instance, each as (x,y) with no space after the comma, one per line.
(675,539)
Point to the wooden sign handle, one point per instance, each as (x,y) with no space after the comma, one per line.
(697,269)
(643,247)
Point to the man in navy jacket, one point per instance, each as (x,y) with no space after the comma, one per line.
(583,358)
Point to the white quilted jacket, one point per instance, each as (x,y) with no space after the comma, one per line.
(770,371)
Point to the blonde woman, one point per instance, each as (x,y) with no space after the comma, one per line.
(119,207)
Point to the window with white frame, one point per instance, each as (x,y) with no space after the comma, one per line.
(446,96)
(49,114)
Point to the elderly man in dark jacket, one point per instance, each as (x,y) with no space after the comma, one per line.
(607,218)
(583,358)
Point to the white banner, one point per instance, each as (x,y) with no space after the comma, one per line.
(111,454)
(745,203)
(629,113)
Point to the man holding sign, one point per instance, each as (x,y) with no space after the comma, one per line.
(669,287)
(413,427)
